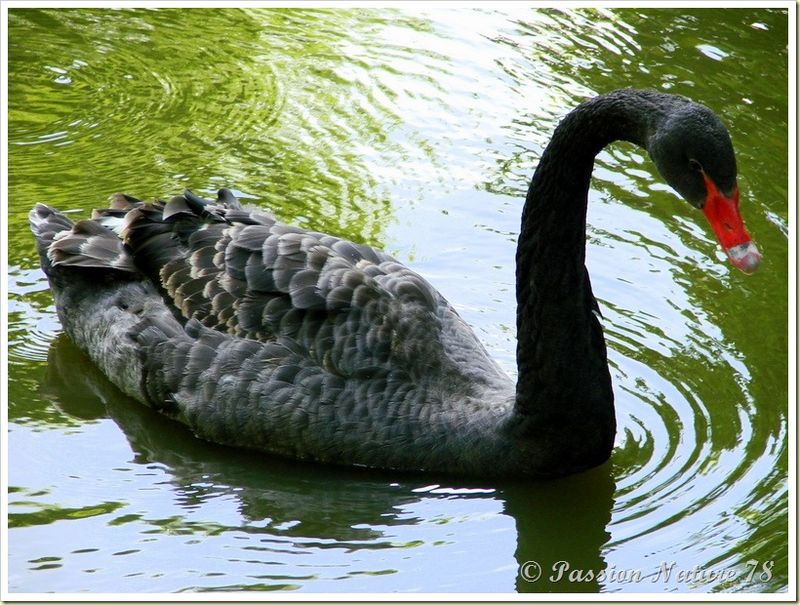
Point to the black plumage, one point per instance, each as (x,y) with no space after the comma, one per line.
(272,337)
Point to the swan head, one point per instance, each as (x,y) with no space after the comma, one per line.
(693,152)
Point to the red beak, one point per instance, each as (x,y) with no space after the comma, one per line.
(723,214)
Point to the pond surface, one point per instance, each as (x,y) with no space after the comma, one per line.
(415,132)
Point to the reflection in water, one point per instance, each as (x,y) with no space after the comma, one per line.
(559,522)
(293,505)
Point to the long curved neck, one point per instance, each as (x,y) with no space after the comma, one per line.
(563,380)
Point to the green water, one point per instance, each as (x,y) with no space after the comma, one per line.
(415,132)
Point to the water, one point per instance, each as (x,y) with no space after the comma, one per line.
(416,132)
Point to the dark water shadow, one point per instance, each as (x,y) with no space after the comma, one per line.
(556,521)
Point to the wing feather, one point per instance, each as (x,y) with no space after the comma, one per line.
(239,271)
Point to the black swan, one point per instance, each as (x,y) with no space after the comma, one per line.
(267,336)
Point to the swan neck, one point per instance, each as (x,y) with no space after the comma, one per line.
(563,379)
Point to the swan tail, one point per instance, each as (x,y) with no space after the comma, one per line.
(64,246)
(46,224)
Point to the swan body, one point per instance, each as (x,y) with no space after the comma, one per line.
(266,336)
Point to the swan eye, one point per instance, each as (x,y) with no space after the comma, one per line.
(695,166)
